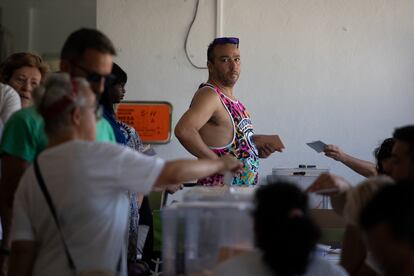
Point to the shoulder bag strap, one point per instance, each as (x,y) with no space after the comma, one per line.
(55,218)
(53,211)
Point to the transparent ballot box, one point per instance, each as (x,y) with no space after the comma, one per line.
(303,178)
(210,226)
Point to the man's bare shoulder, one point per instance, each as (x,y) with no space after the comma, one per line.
(205,96)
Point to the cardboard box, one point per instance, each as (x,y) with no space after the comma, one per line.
(332,226)
(327,218)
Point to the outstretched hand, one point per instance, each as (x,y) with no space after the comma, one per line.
(231,164)
(329,184)
(334,152)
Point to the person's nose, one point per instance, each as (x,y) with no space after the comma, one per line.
(232,64)
(101,85)
(26,86)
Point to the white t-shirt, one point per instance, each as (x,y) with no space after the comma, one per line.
(251,264)
(9,103)
(88,183)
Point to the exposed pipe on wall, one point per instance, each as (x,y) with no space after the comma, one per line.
(219,18)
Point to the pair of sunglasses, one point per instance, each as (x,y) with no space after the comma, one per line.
(94,77)
(226,40)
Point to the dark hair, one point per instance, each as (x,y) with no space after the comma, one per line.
(220,41)
(119,74)
(286,241)
(383,152)
(406,134)
(392,205)
(82,39)
(19,60)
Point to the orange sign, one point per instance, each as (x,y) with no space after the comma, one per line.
(152,120)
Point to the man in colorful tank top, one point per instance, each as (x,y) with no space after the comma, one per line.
(217,123)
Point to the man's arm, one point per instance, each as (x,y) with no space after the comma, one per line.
(179,171)
(362,167)
(12,169)
(22,258)
(202,108)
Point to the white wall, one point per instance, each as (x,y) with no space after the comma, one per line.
(339,71)
(42,26)
(55,20)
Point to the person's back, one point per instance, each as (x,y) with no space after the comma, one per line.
(90,194)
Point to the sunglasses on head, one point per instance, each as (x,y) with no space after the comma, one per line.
(226,40)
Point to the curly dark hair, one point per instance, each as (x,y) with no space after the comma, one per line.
(285,239)
(383,152)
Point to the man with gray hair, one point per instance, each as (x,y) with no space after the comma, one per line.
(87,182)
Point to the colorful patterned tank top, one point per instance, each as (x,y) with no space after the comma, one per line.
(242,146)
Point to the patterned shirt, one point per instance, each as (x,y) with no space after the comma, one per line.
(241,146)
(127,136)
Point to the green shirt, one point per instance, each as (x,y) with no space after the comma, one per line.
(104,132)
(24,136)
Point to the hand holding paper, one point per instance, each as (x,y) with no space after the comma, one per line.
(335,152)
(268,144)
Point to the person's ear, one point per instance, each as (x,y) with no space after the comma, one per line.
(210,66)
(76,116)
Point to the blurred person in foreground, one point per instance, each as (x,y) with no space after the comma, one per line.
(388,225)
(285,236)
(348,201)
(86,53)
